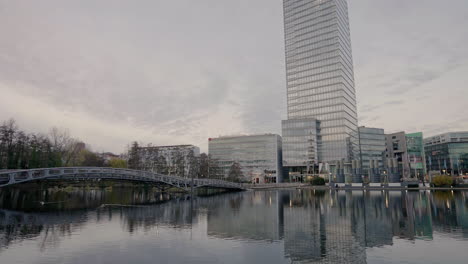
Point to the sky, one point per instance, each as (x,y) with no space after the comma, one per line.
(180,72)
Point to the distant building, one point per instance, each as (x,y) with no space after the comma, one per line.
(447,153)
(169,160)
(408,149)
(108,156)
(259,156)
(300,147)
(395,147)
(371,147)
(416,154)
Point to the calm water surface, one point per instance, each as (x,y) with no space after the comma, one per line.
(287,226)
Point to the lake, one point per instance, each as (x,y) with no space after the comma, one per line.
(280,226)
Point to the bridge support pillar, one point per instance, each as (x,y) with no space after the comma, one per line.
(11,177)
(30,175)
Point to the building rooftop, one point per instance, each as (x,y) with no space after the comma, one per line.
(173,146)
(241,136)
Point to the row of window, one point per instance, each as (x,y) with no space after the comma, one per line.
(313,64)
(291,5)
(317,46)
(322,80)
(298,9)
(300,43)
(324,106)
(323,76)
(335,28)
(328,86)
(318,104)
(340,122)
(303,13)
(311,58)
(325,117)
(319,28)
(325,14)
(315,71)
(309,133)
(317,35)
(312,96)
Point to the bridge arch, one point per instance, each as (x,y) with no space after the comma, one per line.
(9,178)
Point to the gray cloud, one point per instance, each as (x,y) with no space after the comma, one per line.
(172,72)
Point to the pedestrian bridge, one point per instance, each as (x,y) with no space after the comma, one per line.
(13,177)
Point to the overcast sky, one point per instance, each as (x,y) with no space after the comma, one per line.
(179,72)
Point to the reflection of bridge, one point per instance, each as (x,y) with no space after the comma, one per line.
(8,178)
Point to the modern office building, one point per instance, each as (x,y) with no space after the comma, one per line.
(169,160)
(395,147)
(416,155)
(408,149)
(258,156)
(371,147)
(300,147)
(447,153)
(320,76)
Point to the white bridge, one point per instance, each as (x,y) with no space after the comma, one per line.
(12,177)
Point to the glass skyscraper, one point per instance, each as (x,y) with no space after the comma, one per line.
(320,77)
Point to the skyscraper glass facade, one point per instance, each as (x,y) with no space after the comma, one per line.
(300,147)
(300,142)
(319,70)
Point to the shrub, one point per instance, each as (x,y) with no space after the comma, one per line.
(442,180)
(318,181)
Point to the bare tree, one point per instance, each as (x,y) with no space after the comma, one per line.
(68,148)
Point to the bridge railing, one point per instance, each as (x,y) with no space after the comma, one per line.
(17,176)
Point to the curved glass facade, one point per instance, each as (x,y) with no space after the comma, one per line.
(320,76)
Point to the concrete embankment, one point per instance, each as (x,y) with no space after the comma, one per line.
(308,186)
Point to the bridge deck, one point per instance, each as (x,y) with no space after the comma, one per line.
(8,178)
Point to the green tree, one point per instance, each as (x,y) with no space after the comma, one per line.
(203,166)
(442,181)
(235,172)
(134,161)
(318,181)
(118,163)
(91,159)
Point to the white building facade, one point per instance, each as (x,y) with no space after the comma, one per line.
(259,156)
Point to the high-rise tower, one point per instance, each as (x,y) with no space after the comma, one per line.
(320,76)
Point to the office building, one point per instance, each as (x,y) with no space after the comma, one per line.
(416,155)
(320,76)
(371,147)
(300,148)
(259,157)
(408,149)
(447,153)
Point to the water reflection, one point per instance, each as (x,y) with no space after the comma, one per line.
(312,226)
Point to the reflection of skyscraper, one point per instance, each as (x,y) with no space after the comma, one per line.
(318,229)
(320,76)
(304,237)
(371,219)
